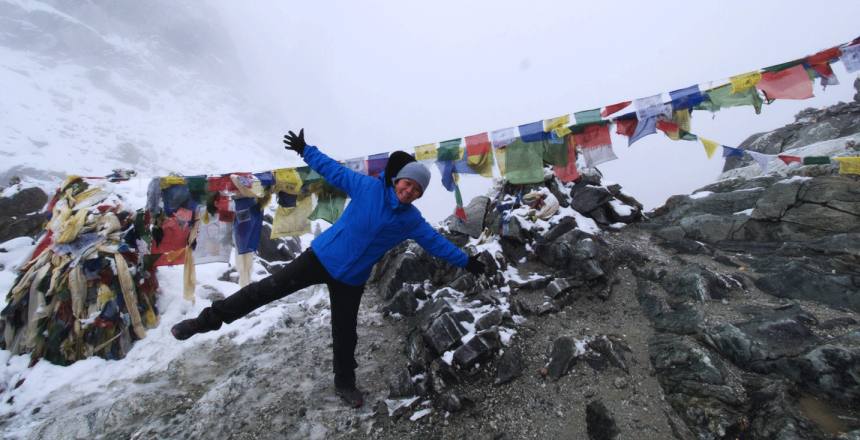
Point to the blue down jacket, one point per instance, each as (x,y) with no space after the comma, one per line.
(374,222)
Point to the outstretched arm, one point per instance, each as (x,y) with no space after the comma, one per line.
(333,172)
(439,246)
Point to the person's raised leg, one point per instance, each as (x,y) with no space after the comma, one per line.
(304,271)
(345,301)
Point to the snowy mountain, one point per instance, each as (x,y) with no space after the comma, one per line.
(92,86)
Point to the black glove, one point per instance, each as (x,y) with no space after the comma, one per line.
(475,267)
(295,143)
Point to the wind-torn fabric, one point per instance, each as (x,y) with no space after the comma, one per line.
(651,106)
(788,159)
(791,83)
(247,225)
(595,143)
(851,58)
(449,150)
(503,137)
(722,97)
(175,231)
(732,152)
(425,152)
(643,128)
(214,242)
(329,206)
(848,165)
(568,173)
(358,164)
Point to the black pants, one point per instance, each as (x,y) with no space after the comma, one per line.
(304,271)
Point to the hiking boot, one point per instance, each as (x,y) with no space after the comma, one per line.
(352,396)
(188,328)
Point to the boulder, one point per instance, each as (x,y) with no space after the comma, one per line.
(26,201)
(278,249)
(508,367)
(444,333)
(476,211)
(400,384)
(26,226)
(482,346)
(699,284)
(404,302)
(562,358)
(586,198)
(487,321)
(804,280)
(599,422)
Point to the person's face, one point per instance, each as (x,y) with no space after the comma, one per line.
(407,190)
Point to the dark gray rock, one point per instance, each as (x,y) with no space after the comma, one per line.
(599,422)
(508,367)
(400,384)
(712,228)
(480,347)
(444,333)
(24,226)
(560,286)
(278,249)
(562,358)
(586,198)
(416,352)
(804,280)
(407,263)
(451,402)
(493,318)
(832,369)
(699,283)
(26,201)
(404,302)
(476,211)
(611,350)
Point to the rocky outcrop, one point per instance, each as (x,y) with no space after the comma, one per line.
(20,214)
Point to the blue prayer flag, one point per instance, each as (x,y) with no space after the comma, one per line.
(533,132)
(731,151)
(686,98)
(643,128)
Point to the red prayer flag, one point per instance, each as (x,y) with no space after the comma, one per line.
(789,159)
(667,126)
(568,173)
(791,83)
(594,135)
(610,109)
(824,56)
(823,70)
(477,144)
(172,246)
(626,127)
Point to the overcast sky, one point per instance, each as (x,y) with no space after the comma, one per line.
(376,76)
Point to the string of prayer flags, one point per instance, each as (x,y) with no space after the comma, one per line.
(788,159)
(479,154)
(669,128)
(588,116)
(614,108)
(533,132)
(790,83)
(168,181)
(214,241)
(330,203)
(425,152)
(376,164)
(524,162)
(555,152)
(816,160)
(558,125)
(596,144)
(568,172)
(710,146)
(686,98)
(449,150)
(851,58)
(732,152)
(459,212)
(358,164)
(722,97)
(848,165)
(174,237)
(743,82)
(763,160)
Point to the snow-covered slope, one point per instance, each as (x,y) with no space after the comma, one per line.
(92,86)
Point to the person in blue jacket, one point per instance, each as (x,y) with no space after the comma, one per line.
(380,216)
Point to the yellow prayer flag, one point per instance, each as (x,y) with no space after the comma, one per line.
(293,221)
(287,180)
(554,123)
(425,152)
(682,118)
(500,159)
(562,131)
(710,146)
(848,165)
(167,182)
(744,82)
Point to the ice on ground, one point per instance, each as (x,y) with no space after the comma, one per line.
(420,413)
(700,194)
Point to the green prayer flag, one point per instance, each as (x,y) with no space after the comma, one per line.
(721,97)
(555,153)
(448,150)
(587,116)
(783,66)
(524,162)
(816,160)
(687,136)
(329,206)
